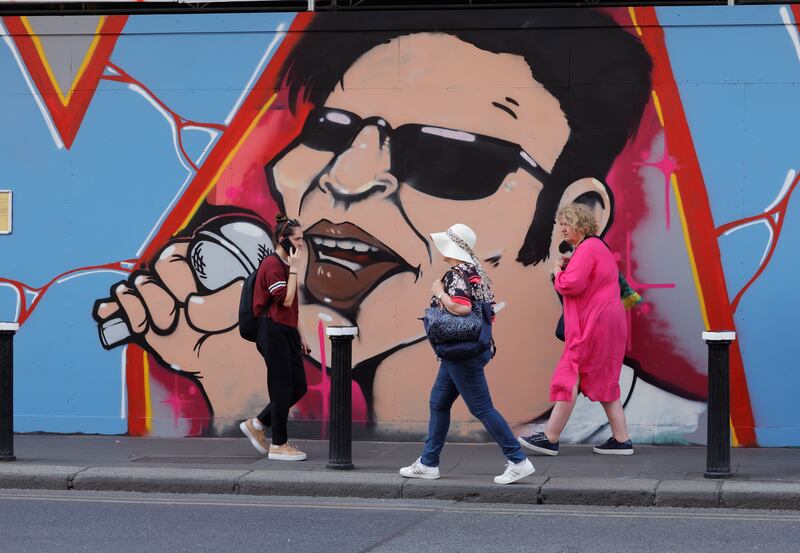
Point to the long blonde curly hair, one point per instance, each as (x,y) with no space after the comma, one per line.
(580,218)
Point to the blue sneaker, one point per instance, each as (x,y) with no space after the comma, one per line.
(539,443)
(613,447)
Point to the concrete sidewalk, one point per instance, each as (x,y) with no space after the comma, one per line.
(660,476)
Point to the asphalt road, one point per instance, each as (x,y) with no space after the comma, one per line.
(34,521)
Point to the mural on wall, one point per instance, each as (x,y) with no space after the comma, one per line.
(147,190)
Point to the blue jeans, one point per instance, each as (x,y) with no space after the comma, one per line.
(466,378)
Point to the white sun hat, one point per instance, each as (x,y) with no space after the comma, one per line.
(450,249)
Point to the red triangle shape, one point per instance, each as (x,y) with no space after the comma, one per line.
(67,108)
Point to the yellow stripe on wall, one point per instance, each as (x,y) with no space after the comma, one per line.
(226,162)
(37,43)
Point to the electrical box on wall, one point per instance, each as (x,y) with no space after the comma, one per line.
(5,211)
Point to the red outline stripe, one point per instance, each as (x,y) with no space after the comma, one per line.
(259,95)
(134,382)
(67,118)
(796,13)
(699,219)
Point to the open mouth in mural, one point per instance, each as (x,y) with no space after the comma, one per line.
(345,263)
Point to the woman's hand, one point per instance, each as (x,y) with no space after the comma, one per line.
(294,260)
(437,288)
(304,345)
(560,264)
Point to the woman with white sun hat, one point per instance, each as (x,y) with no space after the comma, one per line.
(463,284)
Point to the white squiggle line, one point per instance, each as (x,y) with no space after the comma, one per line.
(259,68)
(768,246)
(214,135)
(92,272)
(19,300)
(743,225)
(212,132)
(751,223)
(784,189)
(781,193)
(139,90)
(36,96)
(123,407)
(164,213)
(791,29)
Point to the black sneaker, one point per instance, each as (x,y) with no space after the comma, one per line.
(539,443)
(613,447)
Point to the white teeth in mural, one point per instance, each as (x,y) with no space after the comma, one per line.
(349,264)
(344,244)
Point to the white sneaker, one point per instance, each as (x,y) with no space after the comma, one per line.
(515,471)
(418,470)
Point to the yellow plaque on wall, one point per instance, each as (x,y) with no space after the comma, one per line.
(5,211)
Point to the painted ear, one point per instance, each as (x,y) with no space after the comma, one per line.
(593,194)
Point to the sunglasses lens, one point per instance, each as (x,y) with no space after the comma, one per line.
(329,130)
(447,164)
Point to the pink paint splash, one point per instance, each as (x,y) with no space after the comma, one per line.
(325,381)
(316,404)
(667,165)
(634,200)
(184,398)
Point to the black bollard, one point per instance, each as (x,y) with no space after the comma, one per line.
(340,437)
(718,447)
(7,331)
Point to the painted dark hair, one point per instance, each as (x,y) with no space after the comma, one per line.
(284,227)
(598,72)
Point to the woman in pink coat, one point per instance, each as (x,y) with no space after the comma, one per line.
(596,332)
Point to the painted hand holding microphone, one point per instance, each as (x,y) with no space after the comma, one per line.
(185,307)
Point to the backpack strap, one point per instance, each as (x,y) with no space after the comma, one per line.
(597,237)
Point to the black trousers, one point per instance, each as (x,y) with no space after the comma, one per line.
(286,378)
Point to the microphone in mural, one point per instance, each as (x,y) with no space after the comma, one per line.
(222,251)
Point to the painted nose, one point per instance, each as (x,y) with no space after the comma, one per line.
(362,170)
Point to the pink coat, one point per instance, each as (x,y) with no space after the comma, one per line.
(596,328)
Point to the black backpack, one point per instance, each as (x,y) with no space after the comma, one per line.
(248,322)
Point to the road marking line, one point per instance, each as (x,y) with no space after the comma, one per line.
(533,510)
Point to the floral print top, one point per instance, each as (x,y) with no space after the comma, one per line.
(461,283)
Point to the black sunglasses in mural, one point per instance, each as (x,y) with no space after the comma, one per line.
(440,162)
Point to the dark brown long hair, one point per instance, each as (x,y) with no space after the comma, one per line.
(284,227)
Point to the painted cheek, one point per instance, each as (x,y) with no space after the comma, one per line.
(297,171)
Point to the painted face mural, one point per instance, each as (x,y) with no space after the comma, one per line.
(374,172)
(397,134)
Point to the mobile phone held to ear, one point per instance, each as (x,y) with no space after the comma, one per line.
(286,244)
